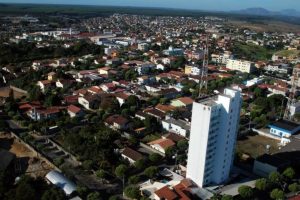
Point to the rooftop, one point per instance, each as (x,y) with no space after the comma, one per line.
(284,124)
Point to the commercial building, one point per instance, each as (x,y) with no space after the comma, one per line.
(240,65)
(213,136)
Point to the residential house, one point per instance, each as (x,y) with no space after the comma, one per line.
(177,126)
(45,85)
(121,97)
(117,122)
(89,101)
(161,145)
(131,155)
(75,111)
(38,114)
(52,76)
(186,102)
(108,87)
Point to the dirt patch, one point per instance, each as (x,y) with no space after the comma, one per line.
(256,145)
(27,161)
(4,93)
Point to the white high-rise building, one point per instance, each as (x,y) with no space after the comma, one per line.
(213,135)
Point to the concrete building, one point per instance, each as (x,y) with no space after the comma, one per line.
(221,58)
(240,65)
(213,137)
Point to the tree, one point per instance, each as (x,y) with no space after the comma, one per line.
(151,171)
(258,92)
(53,194)
(133,100)
(25,191)
(140,164)
(155,157)
(132,192)
(94,196)
(121,170)
(182,145)
(261,184)
(101,173)
(133,179)
(275,178)
(245,192)
(289,173)
(227,197)
(277,194)
(294,187)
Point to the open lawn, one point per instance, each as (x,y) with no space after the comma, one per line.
(256,145)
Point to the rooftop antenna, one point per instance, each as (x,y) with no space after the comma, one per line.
(204,70)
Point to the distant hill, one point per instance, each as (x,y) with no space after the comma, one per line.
(265,12)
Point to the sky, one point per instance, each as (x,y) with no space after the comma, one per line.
(217,5)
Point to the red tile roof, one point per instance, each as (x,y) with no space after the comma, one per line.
(74,109)
(166,193)
(132,154)
(164,143)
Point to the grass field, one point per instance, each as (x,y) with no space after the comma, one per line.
(271,25)
(288,53)
(256,145)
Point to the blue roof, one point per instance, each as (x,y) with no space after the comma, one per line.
(61,181)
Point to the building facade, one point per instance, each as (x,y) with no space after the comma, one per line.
(240,65)
(213,137)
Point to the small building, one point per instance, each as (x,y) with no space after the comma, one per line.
(186,102)
(89,101)
(131,155)
(177,126)
(284,128)
(161,145)
(75,111)
(266,164)
(117,122)
(61,181)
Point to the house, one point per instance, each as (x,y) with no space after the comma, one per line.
(108,87)
(52,76)
(117,122)
(64,83)
(155,113)
(284,128)
(131,155)
(186,102)
(165,108)
(165,193)
(104,70)
(161,145)
(38,114)
(177,126)
(75,111)
(173,136)
(94,90)
(89,101)
(169,93)
(45,85)
(71,99)
(143,80)
(121,97)
(266,164)
(141,115)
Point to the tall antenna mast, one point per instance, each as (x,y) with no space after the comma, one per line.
(292,100)
(204,70)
